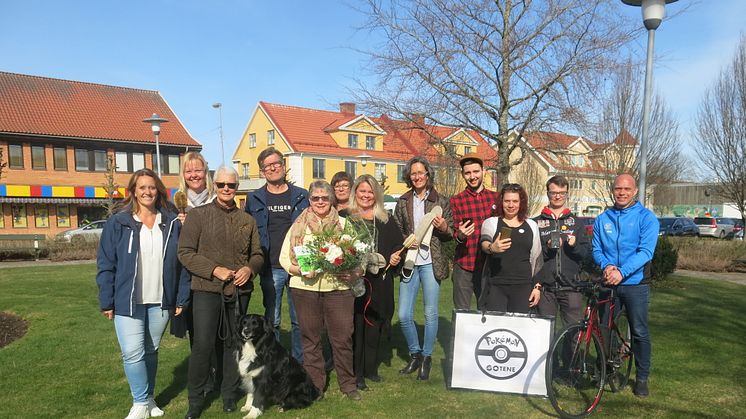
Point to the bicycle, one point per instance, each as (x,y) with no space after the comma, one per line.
(588,354)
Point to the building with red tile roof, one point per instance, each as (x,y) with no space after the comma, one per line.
(318,143)
(57,137)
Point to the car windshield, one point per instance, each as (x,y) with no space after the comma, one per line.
(666,222)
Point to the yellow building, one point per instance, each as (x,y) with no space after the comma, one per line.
(317,144)
(589,167)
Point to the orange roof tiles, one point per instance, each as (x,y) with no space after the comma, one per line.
(544,142)
(65,108)
(308,130)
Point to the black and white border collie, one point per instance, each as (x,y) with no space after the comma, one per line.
(268,373)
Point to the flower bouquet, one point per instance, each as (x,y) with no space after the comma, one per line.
(340,253)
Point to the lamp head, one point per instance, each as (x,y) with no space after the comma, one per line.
(155,122)
(653,11)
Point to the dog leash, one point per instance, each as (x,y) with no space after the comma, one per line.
(226,328)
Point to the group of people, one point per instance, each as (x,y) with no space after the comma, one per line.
(196,265)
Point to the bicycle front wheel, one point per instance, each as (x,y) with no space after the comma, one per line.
(576,372)
(620,354)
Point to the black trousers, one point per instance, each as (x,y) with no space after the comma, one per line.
(214,320)
(366,340)
(507,298)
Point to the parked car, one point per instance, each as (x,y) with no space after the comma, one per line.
(677,226)
(88,232)
(588,222)
(719,227)
(737,225)
(739,235)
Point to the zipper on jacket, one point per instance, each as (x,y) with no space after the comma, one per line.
(129,247)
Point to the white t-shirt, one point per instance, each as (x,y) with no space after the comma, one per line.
(149,282)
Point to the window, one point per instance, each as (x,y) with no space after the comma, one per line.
(400,173)
(467,150)
(252,140)
(169,164)
(380,172)
(41,216)
(493,174)
(129,162)
(576,184)
(244,171)
(593,185)
(63,216)
(319,168)
(19,215)
(370,142)
(270,137)
(351,168)
(38,160)
(450,149)
(60,158)
(15,156)
(90,160)
(351,141)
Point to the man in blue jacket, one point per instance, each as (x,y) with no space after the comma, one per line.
(275,206)
(624,239)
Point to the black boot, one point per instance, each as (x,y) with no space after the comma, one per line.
(413,365)
(427,363)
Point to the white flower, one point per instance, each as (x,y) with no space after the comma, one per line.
(346,238)
(360,246)
(333,253)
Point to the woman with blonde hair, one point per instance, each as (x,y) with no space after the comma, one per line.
(195,182)
(374,309)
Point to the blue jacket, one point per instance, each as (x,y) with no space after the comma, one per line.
(117,261)
(256,206)
(626,238)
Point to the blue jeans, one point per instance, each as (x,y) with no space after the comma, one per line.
(421,275)
(274,282)
(636,299)
(139,338)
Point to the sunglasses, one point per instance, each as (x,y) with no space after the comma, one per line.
(511,187)
(230,185)
(319,198)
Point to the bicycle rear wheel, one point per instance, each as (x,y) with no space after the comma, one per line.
(576,372)
(620,355)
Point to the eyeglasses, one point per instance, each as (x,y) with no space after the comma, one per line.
(341,186)
(558,194)
(418,174)
(511,187)
(230,185)
(319,198)
(269,166)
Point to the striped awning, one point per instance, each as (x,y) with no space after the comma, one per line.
(80,201)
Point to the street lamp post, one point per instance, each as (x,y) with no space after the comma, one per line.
(363,160)
(219,107)
(155,122)
(653,12)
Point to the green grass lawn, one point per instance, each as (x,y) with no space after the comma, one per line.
(68,365)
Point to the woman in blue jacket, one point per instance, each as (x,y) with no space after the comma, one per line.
(140,279)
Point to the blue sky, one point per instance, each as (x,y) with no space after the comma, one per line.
(239,52)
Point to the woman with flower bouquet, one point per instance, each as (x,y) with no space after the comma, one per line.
(374,309)
(322,259)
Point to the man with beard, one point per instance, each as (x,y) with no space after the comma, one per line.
(470,208)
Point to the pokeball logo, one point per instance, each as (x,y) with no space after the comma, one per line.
(501,354)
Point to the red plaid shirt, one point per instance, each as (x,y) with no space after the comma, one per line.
(478,206)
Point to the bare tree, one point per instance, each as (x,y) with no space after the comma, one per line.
(721,125)
(619,129)
(2,163)
(532,181)
(498,67)
(110,187)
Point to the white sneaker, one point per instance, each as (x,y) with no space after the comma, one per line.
(153,408)
(138,411)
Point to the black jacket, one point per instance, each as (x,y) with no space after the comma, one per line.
(567,260)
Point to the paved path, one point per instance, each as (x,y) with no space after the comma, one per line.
(42,262)
(735,277)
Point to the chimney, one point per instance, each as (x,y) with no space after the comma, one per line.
(347,107)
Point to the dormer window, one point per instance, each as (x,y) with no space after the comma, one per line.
(370,142)
(352,140)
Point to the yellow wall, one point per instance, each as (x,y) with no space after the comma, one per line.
(258,125)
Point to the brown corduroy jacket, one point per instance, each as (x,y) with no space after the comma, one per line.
(213,236)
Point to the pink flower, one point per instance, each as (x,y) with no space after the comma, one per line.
(338,261)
